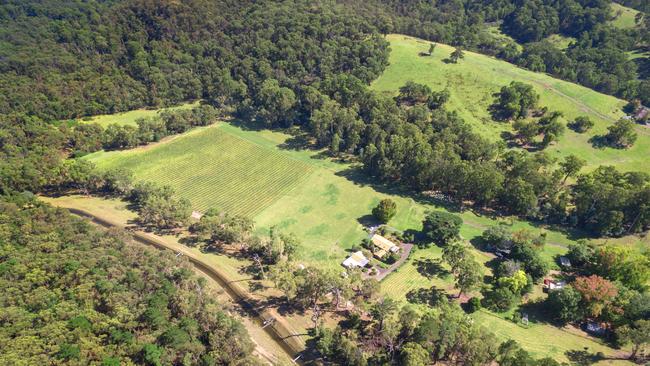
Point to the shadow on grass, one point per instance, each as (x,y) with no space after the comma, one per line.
(431,296)
(356,175)
(431,268)
(584,357)
(599,142)
(368,220)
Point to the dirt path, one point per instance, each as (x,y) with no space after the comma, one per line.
(279,329)
(382,273)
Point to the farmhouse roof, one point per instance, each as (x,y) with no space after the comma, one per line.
(383,243)
(554,285)
(357,259)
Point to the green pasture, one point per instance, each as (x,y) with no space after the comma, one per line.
(324,202)
(129,118)
(474,79)
(624,17)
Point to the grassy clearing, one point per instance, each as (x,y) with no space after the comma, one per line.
(560,41)
(503,38)
(546,341)
(129,118)
(624,17)
(474,79)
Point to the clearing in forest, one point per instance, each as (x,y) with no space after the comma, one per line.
(624,17)
(474,79)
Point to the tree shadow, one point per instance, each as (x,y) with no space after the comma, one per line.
(538,312)
(247,124)
(431,268)
(431,296)
(299,142)
(479,243)
(584,357)
(493,263)
(496,112)
(356,175)
(599,142)
(190,241)
(368,220)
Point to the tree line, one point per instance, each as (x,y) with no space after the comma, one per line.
(84,138)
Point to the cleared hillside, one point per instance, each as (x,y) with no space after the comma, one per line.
(474,79)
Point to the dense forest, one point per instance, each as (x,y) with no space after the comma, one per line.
(73,58)
(72,294)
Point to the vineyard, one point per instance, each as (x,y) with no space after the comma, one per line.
(213,169)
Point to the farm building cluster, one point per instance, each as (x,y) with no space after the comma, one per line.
(381,249)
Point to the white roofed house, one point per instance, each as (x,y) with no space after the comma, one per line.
(356,260)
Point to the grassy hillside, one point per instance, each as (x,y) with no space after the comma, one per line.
(129,118)
(474,79)
(624,17)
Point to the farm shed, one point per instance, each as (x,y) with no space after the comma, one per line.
(552,285)
(357,259)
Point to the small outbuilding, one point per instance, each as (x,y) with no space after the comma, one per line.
(551,285)
(642,114)
(594,328)
(565,262)
(356,260)
(383,246)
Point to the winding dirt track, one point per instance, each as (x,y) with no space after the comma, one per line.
(280,331)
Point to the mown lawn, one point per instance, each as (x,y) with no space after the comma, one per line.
(475,78)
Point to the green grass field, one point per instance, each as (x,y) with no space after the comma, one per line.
(474,79)
(624,17)
(129,118)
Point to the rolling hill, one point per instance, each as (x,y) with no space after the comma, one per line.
(474,79)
